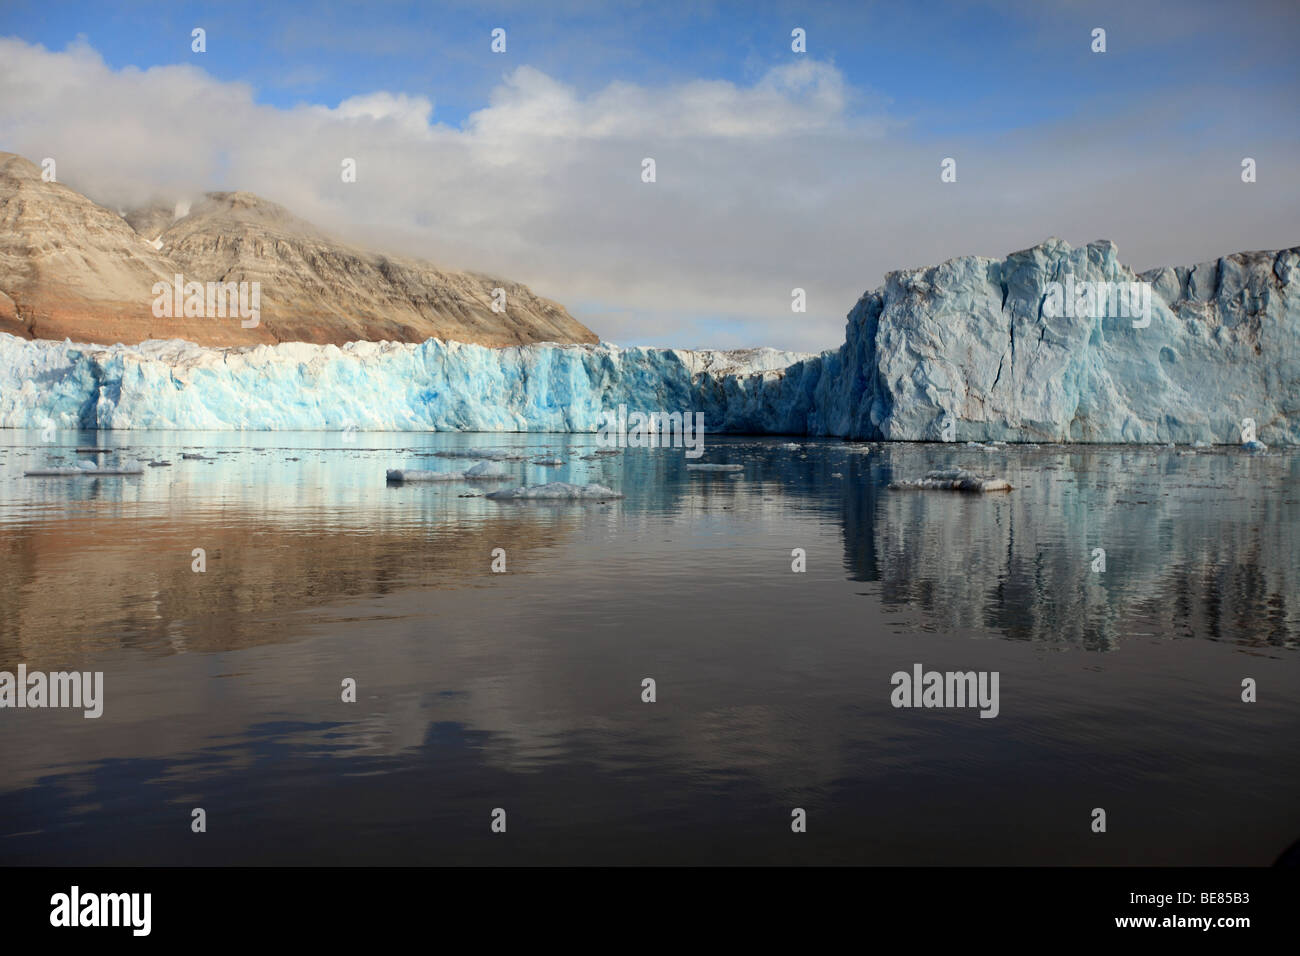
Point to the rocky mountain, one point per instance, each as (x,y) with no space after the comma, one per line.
(72,269)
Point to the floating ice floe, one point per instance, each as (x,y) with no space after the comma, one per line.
(550,462)
(715,467)
(953,479)
(85,468)
(483,471)
(1254,445)
(556,491)
(485,454)
(411,474)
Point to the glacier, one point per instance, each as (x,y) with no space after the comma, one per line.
(961,351)
(970,341)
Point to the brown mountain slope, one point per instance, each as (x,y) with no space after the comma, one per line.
(72,269)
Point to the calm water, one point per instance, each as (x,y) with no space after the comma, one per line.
(522,690)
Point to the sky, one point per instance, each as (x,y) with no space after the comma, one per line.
(774,169)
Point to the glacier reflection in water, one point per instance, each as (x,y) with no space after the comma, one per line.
(523,690)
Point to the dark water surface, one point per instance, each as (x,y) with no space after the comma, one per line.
(1119,690)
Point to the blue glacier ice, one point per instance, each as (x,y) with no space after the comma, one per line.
(968,350)
(971,341)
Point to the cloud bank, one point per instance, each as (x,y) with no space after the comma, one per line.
(795,180)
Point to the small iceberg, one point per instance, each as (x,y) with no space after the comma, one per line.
(194,457)
(715,467)
(550,462)
(1254,445)
(555,491)
(411,474)
(953,479)
(483,471)
(484,454)
(85,468)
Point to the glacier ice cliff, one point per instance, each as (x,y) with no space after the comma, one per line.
(969,350)
(971,340)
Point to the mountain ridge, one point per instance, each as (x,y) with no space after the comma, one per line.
(70,268)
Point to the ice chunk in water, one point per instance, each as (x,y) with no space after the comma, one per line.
(557,491)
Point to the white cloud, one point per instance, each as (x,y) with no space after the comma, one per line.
(761,187)
(410,114)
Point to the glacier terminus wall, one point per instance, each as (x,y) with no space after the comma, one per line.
(974,349)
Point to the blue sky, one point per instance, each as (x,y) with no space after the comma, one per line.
(777,170)
(949,67)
